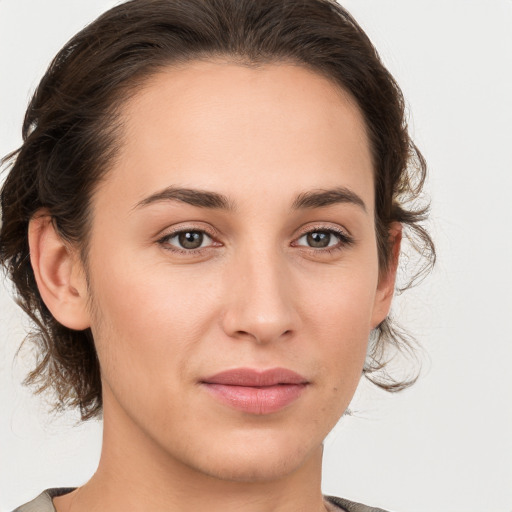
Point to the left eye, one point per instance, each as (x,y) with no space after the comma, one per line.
(320,239)
(189,239)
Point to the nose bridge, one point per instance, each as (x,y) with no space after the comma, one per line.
(261,296)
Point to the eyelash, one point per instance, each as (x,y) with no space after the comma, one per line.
(164,241)
(344,241)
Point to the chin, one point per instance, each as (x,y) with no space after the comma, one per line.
(251,472)
(258,462)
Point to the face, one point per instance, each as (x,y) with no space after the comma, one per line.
(233,267)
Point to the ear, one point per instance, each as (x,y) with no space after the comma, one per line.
(59,273)
(387,277)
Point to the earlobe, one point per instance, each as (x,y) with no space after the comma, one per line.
(58,273)
(387,278)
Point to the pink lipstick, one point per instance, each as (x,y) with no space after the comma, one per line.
(255,391)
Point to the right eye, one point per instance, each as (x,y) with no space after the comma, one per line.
(187,239)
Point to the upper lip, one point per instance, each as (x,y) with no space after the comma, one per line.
(251,377)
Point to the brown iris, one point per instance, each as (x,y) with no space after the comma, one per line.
(191,239)
(318,239)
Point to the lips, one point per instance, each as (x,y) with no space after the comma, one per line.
(254,391)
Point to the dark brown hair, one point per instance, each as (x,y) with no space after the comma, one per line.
(70,127)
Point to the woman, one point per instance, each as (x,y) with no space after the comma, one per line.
(204,222)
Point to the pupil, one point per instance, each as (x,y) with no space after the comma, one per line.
(318,239)
(191,239)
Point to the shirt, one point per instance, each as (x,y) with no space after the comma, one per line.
(44,503)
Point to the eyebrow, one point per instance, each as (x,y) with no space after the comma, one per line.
(199,198)
(214,200)
(323,198)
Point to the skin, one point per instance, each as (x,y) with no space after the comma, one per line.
(256,294)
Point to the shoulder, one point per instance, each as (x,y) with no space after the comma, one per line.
(43,502)
(351,506)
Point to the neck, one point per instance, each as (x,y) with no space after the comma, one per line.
(135,473)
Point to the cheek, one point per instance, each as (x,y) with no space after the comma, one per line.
(154,320)
(339,315)
(341,299)
(142,307)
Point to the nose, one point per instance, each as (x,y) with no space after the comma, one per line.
(261,299)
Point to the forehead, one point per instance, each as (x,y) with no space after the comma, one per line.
(241,130)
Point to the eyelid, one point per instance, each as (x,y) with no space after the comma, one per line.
(206,237)
(163,238)
(324,227)
(345,238)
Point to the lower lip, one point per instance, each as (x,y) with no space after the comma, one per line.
(256,400)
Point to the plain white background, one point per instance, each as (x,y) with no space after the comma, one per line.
(445,445)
